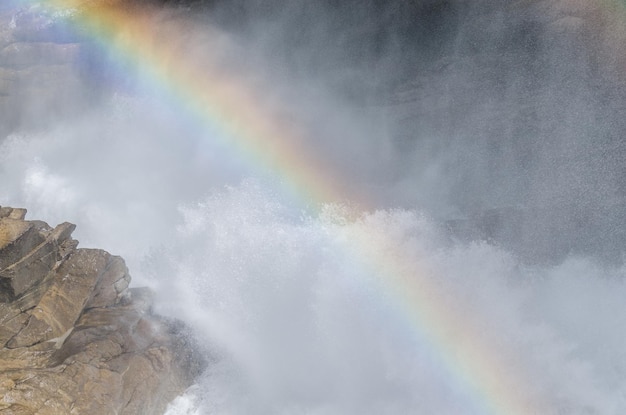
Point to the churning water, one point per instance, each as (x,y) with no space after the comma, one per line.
(303,310)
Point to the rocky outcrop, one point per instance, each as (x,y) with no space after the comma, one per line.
(74,339)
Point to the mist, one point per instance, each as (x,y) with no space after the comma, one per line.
(485,137)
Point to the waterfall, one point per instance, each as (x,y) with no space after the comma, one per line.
(357,207)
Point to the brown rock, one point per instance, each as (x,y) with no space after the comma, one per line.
(73,338)
(63,303)
(17,239)
(112,284)
(36,265)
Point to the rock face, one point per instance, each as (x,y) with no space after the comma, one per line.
(74,339)
(504,116)
(38,68)
(489,106)
(520,113)
(49,69)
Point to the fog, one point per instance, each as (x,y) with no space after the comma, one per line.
(478,147)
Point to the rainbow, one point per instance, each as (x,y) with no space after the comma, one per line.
(223,102)
(200,88)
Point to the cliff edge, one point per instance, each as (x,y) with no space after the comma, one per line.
(74,339)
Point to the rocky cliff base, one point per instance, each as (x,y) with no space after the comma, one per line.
(74,338)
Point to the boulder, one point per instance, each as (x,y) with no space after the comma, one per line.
(74,339)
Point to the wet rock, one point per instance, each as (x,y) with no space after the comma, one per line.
(17,238)
(74,339)
(31,268)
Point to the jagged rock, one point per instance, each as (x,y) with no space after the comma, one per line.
(74,339)
(31,268)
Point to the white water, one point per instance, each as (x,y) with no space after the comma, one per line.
(291,322)
(299,327)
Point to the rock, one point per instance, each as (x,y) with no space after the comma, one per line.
(74,339)
(40,74)
(31,268)
(18,239)
(521,107)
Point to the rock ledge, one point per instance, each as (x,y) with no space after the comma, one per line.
(74,339)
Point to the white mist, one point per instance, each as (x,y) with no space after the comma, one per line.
(289,322)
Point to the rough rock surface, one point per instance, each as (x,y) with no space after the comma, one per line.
(74,339)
